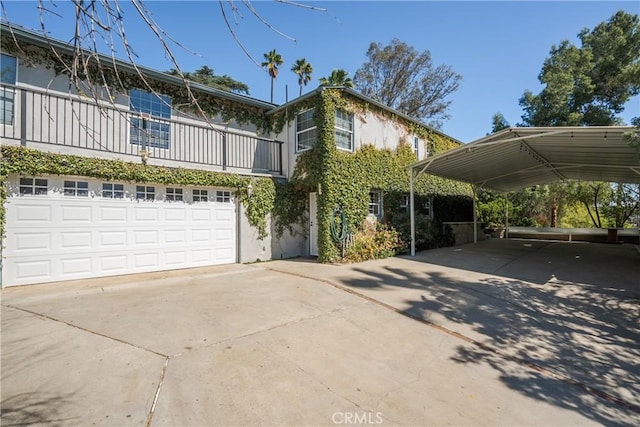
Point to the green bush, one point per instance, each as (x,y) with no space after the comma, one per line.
(373,241)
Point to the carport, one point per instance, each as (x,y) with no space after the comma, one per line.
(520,157)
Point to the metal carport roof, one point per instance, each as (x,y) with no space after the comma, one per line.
(520,157)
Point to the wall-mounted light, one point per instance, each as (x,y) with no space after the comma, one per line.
(249,190)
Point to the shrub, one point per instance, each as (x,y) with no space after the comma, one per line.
(373,241)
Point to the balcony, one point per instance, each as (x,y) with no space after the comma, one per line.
(74,125)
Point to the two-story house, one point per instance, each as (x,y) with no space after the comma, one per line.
(125,173)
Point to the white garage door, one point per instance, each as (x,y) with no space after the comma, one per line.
(65,228)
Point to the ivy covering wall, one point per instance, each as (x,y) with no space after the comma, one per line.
(21,160)
(343,179)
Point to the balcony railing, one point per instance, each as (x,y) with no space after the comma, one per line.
(36,117)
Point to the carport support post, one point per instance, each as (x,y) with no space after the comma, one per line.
(506,215)
(412,214)
(475,216)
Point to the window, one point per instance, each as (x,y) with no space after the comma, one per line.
(406,203)
(144,192)
(306,132)
(8,74)
(76,188)
(427,207)
(344,130)
(37,186)
(200,195)
(174,194)
(223,196)
(416,144)
(112,191)
(375,203)
(147,130)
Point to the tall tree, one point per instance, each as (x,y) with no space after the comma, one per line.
(499,123)
(204,75)
(584,86)
(272,61)
(399,76)
(588,85)
(304,70)
(337,78)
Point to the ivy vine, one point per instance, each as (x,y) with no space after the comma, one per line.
(21,160)
(344,179)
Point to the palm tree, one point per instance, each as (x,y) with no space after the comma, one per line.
(272,61)
(337,78)
(303,69)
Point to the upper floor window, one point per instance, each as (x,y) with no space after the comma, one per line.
(344,130)
(150,130)
(416,144)
(306,131)
(36,186)
(76,188)
(8,69)
(8,75)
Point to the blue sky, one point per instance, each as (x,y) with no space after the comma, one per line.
(498,47)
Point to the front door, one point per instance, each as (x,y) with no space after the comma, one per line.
(313,226)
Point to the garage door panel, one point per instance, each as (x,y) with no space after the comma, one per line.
(146,237)
(146,261)
(31,213)
(75,266)
(113,239)
(201,214)
(176,259)
(112,214)
(113,264)
(28,242)
(58,237)
(146,214)
(175,214)
(175,237)
(76,240)
(31,271)
(72,214)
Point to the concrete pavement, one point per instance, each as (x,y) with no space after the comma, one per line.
(298,343)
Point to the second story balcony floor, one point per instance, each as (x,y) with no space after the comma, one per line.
(57,122)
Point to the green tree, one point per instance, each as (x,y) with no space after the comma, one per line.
(204,75)
(272,61)
(304,70)
(588,85)
(399,76)
(337,78)
(499,123)
(585,86)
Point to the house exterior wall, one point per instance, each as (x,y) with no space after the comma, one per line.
(369,129)
(59,119)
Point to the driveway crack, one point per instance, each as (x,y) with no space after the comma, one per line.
(44,316)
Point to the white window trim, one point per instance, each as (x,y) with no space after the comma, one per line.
(13,87)
(379,204)
(150,118)
(297,147)
(350,131)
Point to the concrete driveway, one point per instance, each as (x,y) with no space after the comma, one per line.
(497,333)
